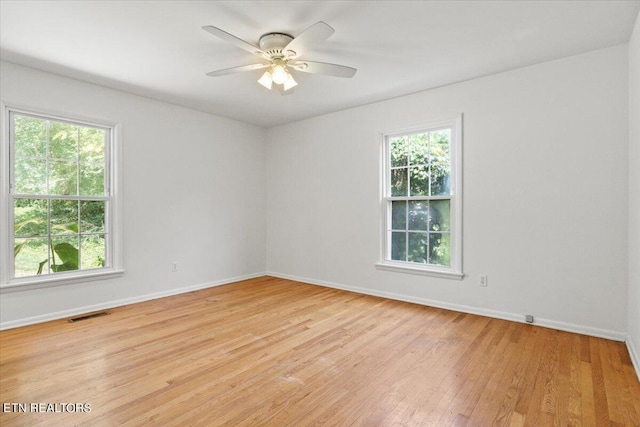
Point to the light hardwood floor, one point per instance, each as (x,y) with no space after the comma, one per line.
(275,352)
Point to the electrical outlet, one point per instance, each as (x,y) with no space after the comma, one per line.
(484,280)
(174,266)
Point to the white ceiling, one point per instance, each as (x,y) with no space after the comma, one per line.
(158,49)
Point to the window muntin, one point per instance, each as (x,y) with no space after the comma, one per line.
(60,196)
(422,198)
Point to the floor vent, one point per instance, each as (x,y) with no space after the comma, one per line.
(88,316)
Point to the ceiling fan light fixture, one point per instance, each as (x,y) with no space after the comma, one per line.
(290,82)
(266,80)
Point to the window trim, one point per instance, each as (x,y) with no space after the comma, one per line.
(384,263)
(7,283)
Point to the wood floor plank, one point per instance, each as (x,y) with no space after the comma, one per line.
(588,411)
(515,375)
(575,379)
(600,397)
(274,352)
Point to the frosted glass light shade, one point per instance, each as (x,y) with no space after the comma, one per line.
(290,82)
(266,80)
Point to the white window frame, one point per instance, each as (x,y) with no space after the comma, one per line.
(454,271)
(114,213)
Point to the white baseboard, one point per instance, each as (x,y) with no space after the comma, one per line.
(118,303)
(514,317)
(635,356)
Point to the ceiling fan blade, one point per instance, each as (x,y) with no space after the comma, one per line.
(234,40)
(324,68)
(234,70)
(316,33)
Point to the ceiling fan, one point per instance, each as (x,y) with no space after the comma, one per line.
(279,52)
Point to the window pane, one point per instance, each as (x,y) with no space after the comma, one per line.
(418,247)
(53,161)
(30,176)
(93,250)
(420,181)
(63,178)
(31,257)
(399,246)
(92,179)
(420,171)
(92,216)
(64,256)
(418,215)
(30,217)
(64,217)
(31,137)
(440,179)
(398,151)
(419,148)
(399,182)
(63,141)
(439,148)
(92,145)
(440,248)
(399,215)
(439,215)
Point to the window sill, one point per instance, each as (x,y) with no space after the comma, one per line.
(398,268)
(27,283)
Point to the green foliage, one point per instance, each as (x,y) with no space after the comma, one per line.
(31,137)
(49,231)
(69,257)
(41,265)
(64,256)
(17,248)
(67,253)
(420,166)
(440,248)
(63,142)
(73,156)
(18,228)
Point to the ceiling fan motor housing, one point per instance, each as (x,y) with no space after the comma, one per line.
(273,43)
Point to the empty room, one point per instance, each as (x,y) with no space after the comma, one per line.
(341,213)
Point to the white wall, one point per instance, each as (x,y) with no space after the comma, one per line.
(634,196)
(545,197)
(193,193)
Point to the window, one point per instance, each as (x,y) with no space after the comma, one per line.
(422,200)
(60,199)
